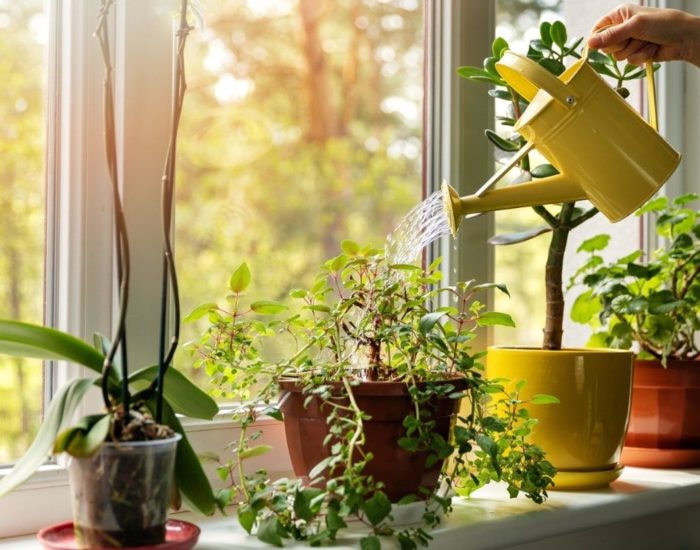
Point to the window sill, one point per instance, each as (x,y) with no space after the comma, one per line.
(643,509)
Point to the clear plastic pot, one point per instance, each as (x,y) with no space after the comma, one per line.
(120,495)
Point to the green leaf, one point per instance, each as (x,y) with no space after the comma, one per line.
(320,467)
(545,33)
(495,318)
(428,321)
(585,307)
(370,543)
(200,311)
(182,394)
(351,248)
(602,68)
(303,507)
(267,307)
(254,451)
(521,236)
(268,531)
(544,171)
(642,271)
(500,286)
(552,65)
(498,47)
(487,444)
(376,508)
(190,478)
(240,279)
(663,302)
(85,438)
(476,74)
(57,416)
(544,399)
(405,267)
(685,199)
(558,33)
(501,143)
(334,521)
(246,517)
(599,242)
(654,205)
(37,342)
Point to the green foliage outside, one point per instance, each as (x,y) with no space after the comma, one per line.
(22,134)
(317,140)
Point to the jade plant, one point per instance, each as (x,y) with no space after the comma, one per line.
(365,319)
(140,404)
(551,50)
(651,302)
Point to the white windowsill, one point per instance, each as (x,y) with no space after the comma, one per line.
(643,509)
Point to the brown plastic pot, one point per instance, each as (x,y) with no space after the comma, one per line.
(664,429)
(387,403)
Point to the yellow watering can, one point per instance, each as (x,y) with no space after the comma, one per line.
(604,151)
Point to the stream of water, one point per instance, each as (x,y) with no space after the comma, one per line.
(424,224)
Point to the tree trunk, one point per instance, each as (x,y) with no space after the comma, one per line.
(554,323)
(322,120)
(350,70)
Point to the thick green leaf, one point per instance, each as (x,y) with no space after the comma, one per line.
(376,508)
(545,33)
(558,33)
(500,286)
(186,398)
(602,68)
(58,415)
(190,478)
(495,318)
(200,311)
(498,47)
(479,75)
(240,278)
(552,65)
(502,143)
(544,171)
(521,236)
(38,342)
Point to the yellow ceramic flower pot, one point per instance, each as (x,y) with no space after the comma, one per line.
(582,435)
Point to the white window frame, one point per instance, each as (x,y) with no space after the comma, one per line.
(79,242)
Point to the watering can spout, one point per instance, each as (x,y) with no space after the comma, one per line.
(550,190)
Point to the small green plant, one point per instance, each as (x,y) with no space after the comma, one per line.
(651,302)
(552,50)
(365,320)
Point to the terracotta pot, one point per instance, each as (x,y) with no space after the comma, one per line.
(664,429)
(584,433)
(387,403)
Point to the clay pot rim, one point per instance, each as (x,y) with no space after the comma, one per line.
(379,387)
(672,364)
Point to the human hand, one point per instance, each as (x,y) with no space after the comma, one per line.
(640,34)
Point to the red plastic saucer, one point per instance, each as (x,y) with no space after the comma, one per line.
(179,535)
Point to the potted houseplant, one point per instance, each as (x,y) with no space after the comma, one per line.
(652,304)
(124,458)
(593,385)
(369,393)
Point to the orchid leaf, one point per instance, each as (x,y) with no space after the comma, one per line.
(58,415)
(185,398)
(38,342)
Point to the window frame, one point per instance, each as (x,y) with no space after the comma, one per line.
(81,295)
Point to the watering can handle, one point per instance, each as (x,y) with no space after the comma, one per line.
(527,78)
(651,88)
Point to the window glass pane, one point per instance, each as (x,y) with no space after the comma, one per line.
(518,22)
(23,37)
(302,127)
